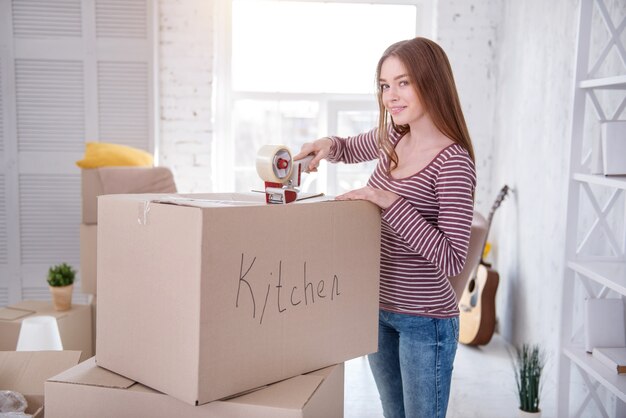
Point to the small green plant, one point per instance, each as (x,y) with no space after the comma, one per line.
(529,363)
(61,275)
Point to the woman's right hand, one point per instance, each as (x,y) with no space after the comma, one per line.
(320,148)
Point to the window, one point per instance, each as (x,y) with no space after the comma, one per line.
(289,72)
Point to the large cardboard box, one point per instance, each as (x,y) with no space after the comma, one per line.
(94,319)
(74,325)
(26,372)
(113,180)
(88,258)
(228,294)
(91,391)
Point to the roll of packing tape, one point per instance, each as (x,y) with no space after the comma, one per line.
(274,163)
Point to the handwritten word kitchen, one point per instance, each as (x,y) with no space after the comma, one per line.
(288,292)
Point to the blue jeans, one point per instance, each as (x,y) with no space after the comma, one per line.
(413,365)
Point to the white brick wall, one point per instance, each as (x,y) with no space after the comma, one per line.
(186,85)
(467,31)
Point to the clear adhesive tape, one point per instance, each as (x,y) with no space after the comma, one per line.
(143,209)
(274,163)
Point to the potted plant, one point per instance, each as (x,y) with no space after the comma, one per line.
(529,362)
(61,281)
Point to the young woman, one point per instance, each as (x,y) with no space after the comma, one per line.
(424,185)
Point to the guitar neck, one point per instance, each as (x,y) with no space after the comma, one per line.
(494,207)
(482,253)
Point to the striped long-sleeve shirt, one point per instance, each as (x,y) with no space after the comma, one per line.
(425,233)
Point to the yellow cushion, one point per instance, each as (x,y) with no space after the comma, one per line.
(102,154)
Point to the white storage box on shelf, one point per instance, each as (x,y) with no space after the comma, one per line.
(614,147)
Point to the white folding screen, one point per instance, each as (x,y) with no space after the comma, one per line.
(4,257)
(71,71)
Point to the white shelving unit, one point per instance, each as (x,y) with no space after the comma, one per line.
(596,231)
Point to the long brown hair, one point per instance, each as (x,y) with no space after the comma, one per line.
(431,75)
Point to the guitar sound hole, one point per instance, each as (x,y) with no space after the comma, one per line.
(473,293)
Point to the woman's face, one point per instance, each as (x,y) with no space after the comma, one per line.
(399,96)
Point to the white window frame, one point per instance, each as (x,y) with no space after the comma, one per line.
(223,155)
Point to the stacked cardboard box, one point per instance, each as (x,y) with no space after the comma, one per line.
(75,325)
(99,393)
(111,180)
(204,297)
(25,372)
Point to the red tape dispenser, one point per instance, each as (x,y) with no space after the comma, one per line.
(282,175)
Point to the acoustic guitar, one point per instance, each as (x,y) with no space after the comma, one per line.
(478,301)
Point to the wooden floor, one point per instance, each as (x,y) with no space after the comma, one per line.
(483,385)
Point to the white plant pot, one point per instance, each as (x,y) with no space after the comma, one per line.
(524,414)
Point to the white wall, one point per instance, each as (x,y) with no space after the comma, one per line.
(186,87)
(468,33)
(535,64)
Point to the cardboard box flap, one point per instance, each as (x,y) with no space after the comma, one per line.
(207,203)
(292,393)
(212,200)
(329,396)
(230,199)
(39,307)
(209,200)
(86,373)
(31,305)
(27,371)
(325,372)
(11,314)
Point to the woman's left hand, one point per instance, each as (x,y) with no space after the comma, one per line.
(381,198)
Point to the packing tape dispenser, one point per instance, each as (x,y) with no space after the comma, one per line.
(282,175)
